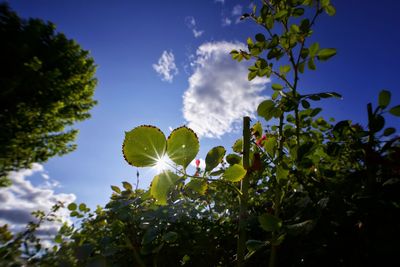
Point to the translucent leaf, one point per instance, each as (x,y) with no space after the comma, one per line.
(127,185)
(265,109)
(161,186)
(257,129)
(276,86)
(395,111)
(197,185)
(330,10)
(116,189)
(82,207)
(281,173)
(234,173)
(238,146)
(269,222)
(314,49)
(182,146)
(270,145)
(326,53)
(143,146)
(214,157)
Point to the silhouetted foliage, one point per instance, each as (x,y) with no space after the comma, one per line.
(46,84)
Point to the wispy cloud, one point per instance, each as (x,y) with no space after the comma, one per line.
(237,10)
(219,1)
(166,67)
(226,21)
(219,94)
(22,198)
(191,24)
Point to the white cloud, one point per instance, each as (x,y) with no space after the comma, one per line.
(226,21)
(219,94)
(237,10)
(166,66)
(219,1)
(191,24)
(22,198)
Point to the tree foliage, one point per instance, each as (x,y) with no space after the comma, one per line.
(46,84)
(300,192)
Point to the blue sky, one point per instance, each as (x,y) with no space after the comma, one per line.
(128,38)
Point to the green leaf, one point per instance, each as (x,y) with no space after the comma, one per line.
(281,14)
(214,157)
(254,245)
(257,129)
(269,222)
(377,123)
(182,146)
(260,37)
(161,186)
(311,64)
(233,159)
(384,98)
(301,67)
(143,146)
(238,146)
(330,10)
(270,145)
(284,69)
(277,86)
(325,3)
(314,49)
(251,75)
(305,104)
(389,131)
(198,185)
(82,207)
(116,189)
(58,239)
(395,111)
(170,237)
(326,53)
(281,173)
(72,206)
(265,109)
(234,173)
(127,186)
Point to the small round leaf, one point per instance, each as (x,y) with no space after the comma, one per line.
(182,146)
(161,186)
(144,145)
(234,173)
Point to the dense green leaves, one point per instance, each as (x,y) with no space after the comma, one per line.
(162,185)
(182,146)
(143,146)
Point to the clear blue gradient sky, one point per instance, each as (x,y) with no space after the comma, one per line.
(127,37)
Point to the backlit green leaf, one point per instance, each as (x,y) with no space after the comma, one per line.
(197,185)
(277,86)
(143,146)
(116,189)
(162,185)
(127,186)
(182,146)
(269,222)
(214,157)
(234,173)
(238,146)
(326,53)
(265,109)
(314,49)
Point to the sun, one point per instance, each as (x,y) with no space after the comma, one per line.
(162,164)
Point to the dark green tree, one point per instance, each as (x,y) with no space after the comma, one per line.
(46,84)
